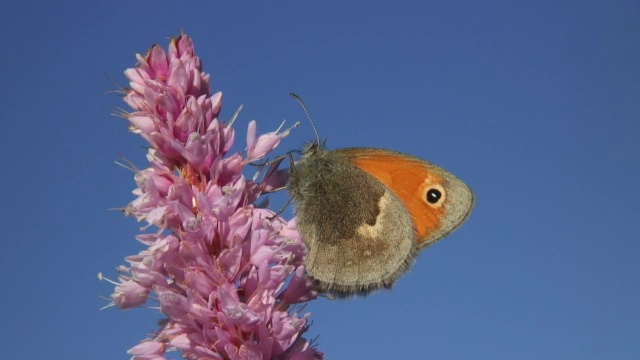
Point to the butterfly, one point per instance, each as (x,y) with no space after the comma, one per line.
(365,213)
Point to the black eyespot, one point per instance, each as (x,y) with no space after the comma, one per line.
(433,196)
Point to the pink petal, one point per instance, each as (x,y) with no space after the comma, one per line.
(148,348)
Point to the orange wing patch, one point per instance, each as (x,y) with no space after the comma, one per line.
(409,178)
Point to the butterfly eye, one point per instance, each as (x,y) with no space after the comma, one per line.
(434,195)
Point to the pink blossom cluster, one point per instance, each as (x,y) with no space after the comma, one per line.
(224,271)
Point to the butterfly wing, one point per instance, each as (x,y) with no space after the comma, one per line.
(438,201)
(360,236)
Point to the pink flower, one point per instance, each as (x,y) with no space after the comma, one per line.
(258,147)
(224,272)
(130,294)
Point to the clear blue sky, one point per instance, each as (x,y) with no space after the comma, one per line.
(536,105)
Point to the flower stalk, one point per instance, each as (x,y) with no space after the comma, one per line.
(223,271)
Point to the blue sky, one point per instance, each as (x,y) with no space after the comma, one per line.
(533,104)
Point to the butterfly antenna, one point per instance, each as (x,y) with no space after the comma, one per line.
(308,116)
